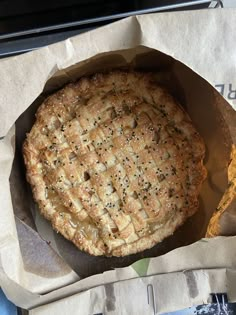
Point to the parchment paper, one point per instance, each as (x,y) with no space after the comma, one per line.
(22,81)
(207,118)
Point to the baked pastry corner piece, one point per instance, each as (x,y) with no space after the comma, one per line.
(114,163)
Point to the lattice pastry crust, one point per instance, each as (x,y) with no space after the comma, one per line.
(114,163)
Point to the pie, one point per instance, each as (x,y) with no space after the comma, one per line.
(114,163)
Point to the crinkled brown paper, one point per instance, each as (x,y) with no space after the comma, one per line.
(38,268)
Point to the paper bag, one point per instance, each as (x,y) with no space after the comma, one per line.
(133,43)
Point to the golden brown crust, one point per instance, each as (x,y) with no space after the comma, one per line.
(114,163)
